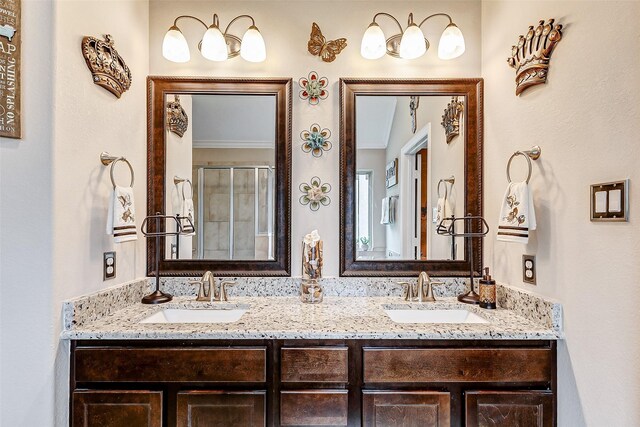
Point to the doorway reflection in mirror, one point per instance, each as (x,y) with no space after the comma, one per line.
(397,174)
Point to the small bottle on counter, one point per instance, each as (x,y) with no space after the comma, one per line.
(487,291)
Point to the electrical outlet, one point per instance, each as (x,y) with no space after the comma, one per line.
(529,269)
(174,251)
(109,266)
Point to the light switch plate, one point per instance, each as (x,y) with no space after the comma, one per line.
(610,201)
(529,269)
(109,266)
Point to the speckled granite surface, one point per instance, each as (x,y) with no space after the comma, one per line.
(115,312)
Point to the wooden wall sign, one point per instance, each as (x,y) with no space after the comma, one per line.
(10,37)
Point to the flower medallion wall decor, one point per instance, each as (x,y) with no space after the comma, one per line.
(316,140)
(315,194)
(313,88)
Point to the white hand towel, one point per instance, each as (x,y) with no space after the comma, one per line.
(444,209)
(121,218)
(187,212)
(385,210)
(517,215)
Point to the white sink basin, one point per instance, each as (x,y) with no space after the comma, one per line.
(434,316)
(182,315)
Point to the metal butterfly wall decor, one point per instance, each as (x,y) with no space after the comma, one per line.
(319,46)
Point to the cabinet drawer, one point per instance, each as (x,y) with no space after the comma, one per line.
(314,407)
(117,408)
(315,364)
(457,365)
(220,408)
(509,408)
(406,408)
(102,364)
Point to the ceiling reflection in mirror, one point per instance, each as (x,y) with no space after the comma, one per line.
(410,175)
(220,173)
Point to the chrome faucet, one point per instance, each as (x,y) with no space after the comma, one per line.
(208,291)
(416,291)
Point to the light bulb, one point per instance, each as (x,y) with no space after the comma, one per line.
(412,44)
(374,44)
(214,45)
(252,47)
(174,46)
(451,42)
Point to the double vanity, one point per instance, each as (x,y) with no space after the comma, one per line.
(364,355)
(353,360)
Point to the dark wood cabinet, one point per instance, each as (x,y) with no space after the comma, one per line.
(117,408)
(221,408)
(406,409)
(498,408)
(201,383)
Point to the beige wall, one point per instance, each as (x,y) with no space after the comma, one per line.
(287,56)
(587,121)
(55,193)
(29,313)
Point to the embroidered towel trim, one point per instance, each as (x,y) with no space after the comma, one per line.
(121,218)
(517,214)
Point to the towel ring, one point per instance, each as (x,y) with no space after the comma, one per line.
(177,180)
(190,186)
(107,159)
(533,154)
(451,181)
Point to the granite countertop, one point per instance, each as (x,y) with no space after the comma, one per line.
(286,317)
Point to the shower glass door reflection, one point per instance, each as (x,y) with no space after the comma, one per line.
(235,212)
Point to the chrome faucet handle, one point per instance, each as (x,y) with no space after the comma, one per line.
(407,293)
(204,290)
(223,289)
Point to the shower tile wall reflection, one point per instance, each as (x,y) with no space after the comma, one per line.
(244,232)
(228,152)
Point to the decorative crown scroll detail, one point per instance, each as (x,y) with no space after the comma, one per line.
(451,118)
(532,55)
(177,118)
(106,65)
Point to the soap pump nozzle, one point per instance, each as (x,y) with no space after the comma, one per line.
(487,275)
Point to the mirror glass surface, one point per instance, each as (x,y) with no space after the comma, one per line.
(408,178)
(224,167)
(223,157)
(398,164)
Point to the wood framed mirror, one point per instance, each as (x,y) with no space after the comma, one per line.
(402,167)
(219,151)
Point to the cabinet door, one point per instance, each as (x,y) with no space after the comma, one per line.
(126,408)
(497,408)
(219,408)
(406,409)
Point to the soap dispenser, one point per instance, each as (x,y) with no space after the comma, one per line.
(487,291)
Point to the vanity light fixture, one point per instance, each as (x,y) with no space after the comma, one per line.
(410,43)
(215,44)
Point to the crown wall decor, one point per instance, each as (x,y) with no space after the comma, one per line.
(451,118)
(177,118)
(106,65)
(532,55)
